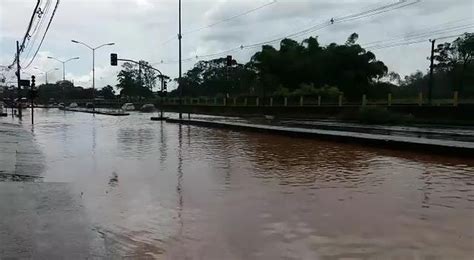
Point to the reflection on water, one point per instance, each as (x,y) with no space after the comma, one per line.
(188,192)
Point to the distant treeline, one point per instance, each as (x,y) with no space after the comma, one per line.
(307,68)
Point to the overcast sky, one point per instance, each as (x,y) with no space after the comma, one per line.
(140,27)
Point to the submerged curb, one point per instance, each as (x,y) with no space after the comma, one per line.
(384,141)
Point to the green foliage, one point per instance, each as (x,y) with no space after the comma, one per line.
(306,90)
(214,77)
(455,61)
(291,69)
(134,82)
(348,66)
(325,91)
(63,90)
(107,92)
(281,91)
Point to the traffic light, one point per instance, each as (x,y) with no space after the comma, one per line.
(229,61)
(33,81)
(113,59)
(165,86)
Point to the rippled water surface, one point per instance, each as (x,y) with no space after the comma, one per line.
(158,190)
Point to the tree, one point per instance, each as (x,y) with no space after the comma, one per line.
(131,83)
(214,77)
(107,92)
(148,75)
(455,58)
(349,67)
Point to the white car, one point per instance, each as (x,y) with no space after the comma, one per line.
(128,107)
(73,105)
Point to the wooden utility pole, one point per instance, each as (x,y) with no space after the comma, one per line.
(430,87)
(18,77)
(180,67)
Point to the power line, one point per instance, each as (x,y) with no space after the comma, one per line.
(429,30)
(191,31)
(329,22)
(413,42)
(39,27)
(44,35)
(230,18)
(414,38)
(41,14)
(35,10)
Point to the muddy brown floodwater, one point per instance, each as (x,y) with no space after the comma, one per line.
(156,190)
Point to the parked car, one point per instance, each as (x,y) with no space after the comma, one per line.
(89,105)
(128,107)
(73,105)
(147,108)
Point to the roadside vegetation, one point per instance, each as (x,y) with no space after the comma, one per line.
(304,68)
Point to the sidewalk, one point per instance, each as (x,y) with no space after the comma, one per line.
(38,220)
(20,158)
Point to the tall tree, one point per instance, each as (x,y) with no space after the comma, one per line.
(455,58)
(131,82)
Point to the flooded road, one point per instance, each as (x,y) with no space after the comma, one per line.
(152,190)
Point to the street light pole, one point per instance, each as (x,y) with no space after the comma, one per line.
(93,66)
(180,67)
(64,64)
(46,73)
(93,80)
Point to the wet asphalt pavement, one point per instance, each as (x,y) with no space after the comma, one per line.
(82,187)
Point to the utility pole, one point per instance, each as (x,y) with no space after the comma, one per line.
(32,96)
(430,89)
(180,67)
(93,82)
(18,76)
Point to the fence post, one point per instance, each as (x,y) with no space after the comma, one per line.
(319,100)
(340,100)
(235,101)
(420,99)
(245,102)
(301,101)
(225,101)
(389,101)
(257,101)
(285,101)
(215,101)
(271,101)
(364,100)
(456,98)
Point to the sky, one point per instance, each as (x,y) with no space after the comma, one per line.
(147,30)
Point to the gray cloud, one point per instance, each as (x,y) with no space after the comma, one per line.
(139,28)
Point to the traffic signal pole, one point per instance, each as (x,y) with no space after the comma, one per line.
(32,97)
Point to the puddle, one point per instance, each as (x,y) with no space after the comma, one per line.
(7,177)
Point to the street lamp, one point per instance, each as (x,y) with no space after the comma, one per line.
(46,72)
(64,64)
(93,66)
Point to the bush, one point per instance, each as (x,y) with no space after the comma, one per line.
(306,90)
(329,92)
(378,115)
(281,91)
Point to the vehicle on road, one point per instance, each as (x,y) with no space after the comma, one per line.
(128,107)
